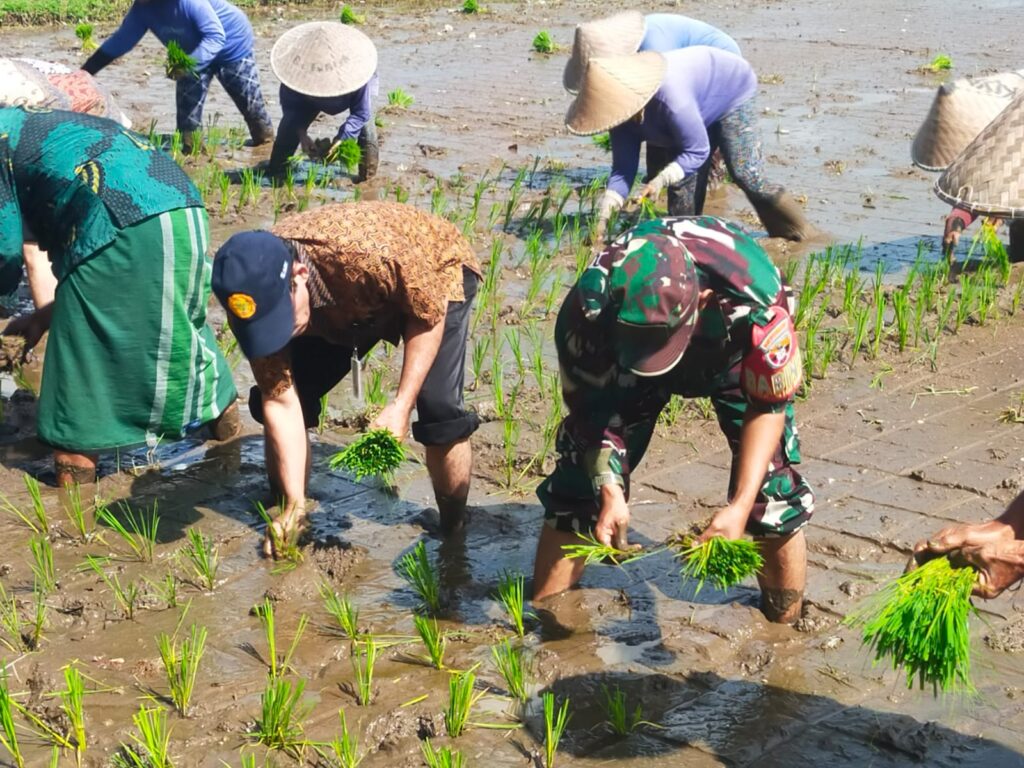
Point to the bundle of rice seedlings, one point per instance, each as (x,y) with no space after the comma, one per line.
(920,622)
(178,63)
(84,33)
(592,551)
(376,453)
(346,153)
(723,562)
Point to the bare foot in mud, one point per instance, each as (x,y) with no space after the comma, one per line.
(284,533)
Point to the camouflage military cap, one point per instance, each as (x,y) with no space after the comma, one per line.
(647,277)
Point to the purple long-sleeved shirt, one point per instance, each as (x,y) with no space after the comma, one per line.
(664,32)
(210,31)
(701,85)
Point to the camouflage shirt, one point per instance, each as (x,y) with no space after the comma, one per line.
(611,411)
(74,180)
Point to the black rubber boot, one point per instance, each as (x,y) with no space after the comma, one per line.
(260,133)
(371,152)
(783,217)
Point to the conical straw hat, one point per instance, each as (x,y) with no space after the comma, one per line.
(613,90)
(324,58)
(958,113)
(987,178)
(616,35)
(22,86)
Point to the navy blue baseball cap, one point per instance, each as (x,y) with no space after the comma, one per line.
(252,280)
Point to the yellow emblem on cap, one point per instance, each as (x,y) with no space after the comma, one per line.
(242,305)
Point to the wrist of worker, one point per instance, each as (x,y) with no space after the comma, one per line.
(671,174)
(609,202)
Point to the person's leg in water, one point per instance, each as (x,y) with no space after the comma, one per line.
(241,80)
(740,139)
(370,158)
(190,97)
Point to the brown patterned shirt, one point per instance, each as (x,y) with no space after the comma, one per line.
(372,265)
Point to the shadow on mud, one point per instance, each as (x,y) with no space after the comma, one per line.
(742,722)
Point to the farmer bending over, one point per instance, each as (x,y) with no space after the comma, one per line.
(325,67)
(691,307)
(310,298)
(220,39)
(685,103)
(129,359)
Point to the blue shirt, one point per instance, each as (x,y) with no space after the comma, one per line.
(210,31)
(664,32)
(701,85)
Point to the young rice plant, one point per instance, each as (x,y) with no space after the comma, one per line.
(723,562)
(415,567)
(554,727)
(376,453)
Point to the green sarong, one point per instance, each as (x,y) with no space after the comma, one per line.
(130,359)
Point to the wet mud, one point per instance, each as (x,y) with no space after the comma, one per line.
(891,457)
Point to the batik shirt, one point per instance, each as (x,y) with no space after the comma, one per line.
(372,266)
(74,180)
(612,411)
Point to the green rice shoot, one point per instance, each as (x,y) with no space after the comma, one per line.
(376,453)
(415,567)
(941,63)
(470,6)
(350,17)
(178,63)
(441,757)
(84,33)
(920,622)
(602,141)
(346,153)
(543,43)
(723,562)
(592,551)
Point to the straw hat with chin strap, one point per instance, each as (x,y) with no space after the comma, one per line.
(324,59)
(617,35)
(614,89)
(960,110)
(987,178)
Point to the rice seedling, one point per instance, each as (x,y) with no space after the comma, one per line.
(511,590)
(461,698)
(554,726)
(542,42)
(286,547)
(32,636)
(364,659)
(152,741)
(178,64)
(344,747)
(510,448)
(509,660)
(433,639)
(376,453)
(252,187)
(181,664)
(77,514)
(139,533)
(399,99)
(619,718)
(421,574)
(480,347)
(84,33)
(829,349)
(166,589)
(8,732)
(901,311)
(72,705)
(723,562)
(202,554)
(341,609)
(280,723)
(347,153)
(920,622)
(602,141)
(349,16)
(441,757)
(10,621)
(37,521)
(470,6)
(376,395)
(515,195)
(278,665)
(224,184)
(941,63)
(860,331)
(127,596)
(592,551)
(42,563)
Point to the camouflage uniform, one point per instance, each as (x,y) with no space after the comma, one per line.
(612,412)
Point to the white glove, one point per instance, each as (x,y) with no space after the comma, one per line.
(609,202)
(671,174)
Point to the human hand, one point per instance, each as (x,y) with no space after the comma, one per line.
(613,520)
(670,174)
(307,144)
(729,522)
(395,419)
(957,536)
(31,328)
(951,234)
(999,563)
(285,529)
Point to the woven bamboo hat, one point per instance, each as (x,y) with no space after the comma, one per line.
(616,35)
(987,178)
(958,113)
(324,58)
(613,90)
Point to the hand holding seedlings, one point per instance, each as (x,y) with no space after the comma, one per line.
(179,64)
(376,453)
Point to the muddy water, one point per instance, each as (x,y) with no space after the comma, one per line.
(719,685)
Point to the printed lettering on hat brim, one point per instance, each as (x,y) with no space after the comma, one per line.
(268,332)
(644,356)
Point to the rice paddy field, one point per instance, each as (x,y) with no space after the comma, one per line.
(147,630)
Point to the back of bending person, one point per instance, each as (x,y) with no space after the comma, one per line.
(218,36)
(678,306)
